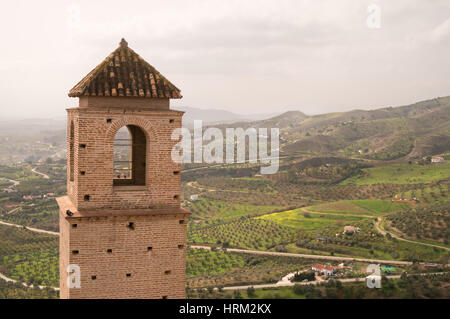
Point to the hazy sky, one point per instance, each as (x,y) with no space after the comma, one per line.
(255,56)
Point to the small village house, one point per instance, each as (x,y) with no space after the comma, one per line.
(437,159)
(326,270)
(350,230)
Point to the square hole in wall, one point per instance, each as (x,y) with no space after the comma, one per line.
(176,173)
(93,277)
(87,198)
(128,275)
(180,246)
(108,121)
(82,145)
(149,248)
(176,197)
(130,225)
(181,221)
(75,252)
(109,251)
(74,225)
(82,173)
(167,272)
(171,121)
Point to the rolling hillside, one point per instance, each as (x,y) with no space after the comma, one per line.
(408,132)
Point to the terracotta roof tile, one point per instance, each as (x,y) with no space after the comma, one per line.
(125,73)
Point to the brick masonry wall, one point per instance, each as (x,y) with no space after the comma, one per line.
(95,129)
(154,273)
(109,250)
(64,248)
(124,102)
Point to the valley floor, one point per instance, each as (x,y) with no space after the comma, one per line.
(250,231)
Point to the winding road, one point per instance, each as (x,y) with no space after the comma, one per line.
(393,235)
(11,188)
(13,210)
(285,281)
(42,231)
(34,170)
(36,230)
(193,185)
(324,257)
(378,227)
(7,279)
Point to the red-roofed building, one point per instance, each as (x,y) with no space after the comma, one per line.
(326,270)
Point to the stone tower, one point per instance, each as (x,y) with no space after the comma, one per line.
(121,222)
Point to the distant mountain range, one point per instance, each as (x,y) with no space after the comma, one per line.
(30,126)
(390,133)
(208,116)
(214,116)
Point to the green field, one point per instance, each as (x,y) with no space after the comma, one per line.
(247,233)
(9,290)
(270,293)
(369,207)
(401,174)
(41,213)
(29,257)
(4,183)
(201,262)
(37,268)
(235,269)
(309,221)
(366,243)
(17,240)
(205,209)
(15,173)
(424,223)
(428,195)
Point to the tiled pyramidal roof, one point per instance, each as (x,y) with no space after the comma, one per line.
(125,73)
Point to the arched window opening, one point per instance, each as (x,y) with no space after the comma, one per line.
(130,150)
(71,151)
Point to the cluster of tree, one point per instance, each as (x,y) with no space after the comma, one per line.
(327,172)
(244,232)
(245,171)
(301,276)
(401,147)
(429,222)
(413,286)
(9,290)
(284,193)
(42,214)
(15,240)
